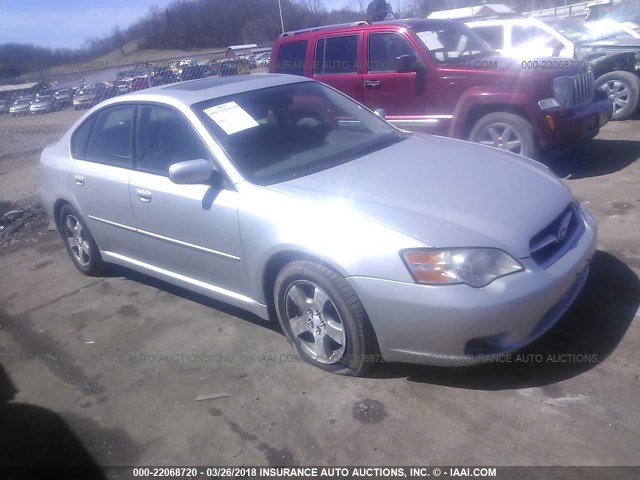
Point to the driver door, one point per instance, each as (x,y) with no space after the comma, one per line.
(188,230)
(404,95)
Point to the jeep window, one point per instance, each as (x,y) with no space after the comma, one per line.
(384,49)
(492,34)
(291,58)
(289,131)
(336,55)
(453,41)
(529,36)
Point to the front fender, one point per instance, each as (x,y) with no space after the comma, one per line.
(485,97)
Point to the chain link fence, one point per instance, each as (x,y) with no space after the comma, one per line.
(37,109)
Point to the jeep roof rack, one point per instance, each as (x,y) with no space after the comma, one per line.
(324,27)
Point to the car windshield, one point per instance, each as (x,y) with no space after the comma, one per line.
(43,98)
(280,133)
(451,41)
(87,91)
(580,32)
(22,101)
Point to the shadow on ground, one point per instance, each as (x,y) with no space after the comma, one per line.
(597,158)
(590,331)
(33,440)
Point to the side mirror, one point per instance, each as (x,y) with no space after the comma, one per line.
(191,172)
(407,63)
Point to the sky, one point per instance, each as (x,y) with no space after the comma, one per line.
(68,23)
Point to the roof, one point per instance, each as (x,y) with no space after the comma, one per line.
(21,86)
(195,91)
(470,12)
(413,23)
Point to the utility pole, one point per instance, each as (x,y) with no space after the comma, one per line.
(281,20)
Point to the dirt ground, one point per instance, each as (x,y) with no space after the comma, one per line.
(110,367)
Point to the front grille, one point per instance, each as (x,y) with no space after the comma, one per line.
(555,239)
(583,88)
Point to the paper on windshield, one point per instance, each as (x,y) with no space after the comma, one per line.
(430,39)
(231,117)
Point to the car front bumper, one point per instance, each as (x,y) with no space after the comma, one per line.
(459,325)
(564,128)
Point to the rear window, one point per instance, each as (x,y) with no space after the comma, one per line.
(291,58)
(335,55)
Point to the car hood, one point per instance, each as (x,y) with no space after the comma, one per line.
(443,192)
(623,43)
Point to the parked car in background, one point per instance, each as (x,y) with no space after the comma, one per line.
(44,102)
(90,95)
(612,49)
(192,72)
(4,105)
(438,76)
(425,250)
(20,106)
(162,76)
(64,97)
(138,83)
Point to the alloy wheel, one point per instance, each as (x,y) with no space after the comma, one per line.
(618,92)
(77,242)
(315,322)
(503,136)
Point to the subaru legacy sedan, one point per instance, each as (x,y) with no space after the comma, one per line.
(282,196)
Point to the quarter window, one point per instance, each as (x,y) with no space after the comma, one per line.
(165,137)
(110,139)
(336,55)
(291,57)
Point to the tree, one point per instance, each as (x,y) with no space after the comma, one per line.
(315,10)
(378,10)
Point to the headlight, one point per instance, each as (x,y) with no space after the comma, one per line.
(563,90)
(476,267)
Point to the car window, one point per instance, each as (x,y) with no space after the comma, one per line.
(384,49)
(336,55)
(492,34)
(521,35)
(110,140)
(164,137)
(80,137)
(278,133)
(291,57)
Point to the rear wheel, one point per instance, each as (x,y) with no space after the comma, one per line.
(324,319)
(623,89)
(80,245)
(506,131)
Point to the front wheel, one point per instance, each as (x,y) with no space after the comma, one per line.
(323,318)
(506,131)
(623,89)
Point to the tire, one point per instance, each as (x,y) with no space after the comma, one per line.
(340,339)
(87,257)
(491,128)
(624,89)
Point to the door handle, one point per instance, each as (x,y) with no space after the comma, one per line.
(372,83)
(144,195)
(79,179)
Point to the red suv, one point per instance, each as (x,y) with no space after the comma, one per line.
(438,76)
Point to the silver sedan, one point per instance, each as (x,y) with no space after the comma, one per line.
(286,198)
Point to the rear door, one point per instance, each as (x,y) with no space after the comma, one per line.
(336,63)
(102,147)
